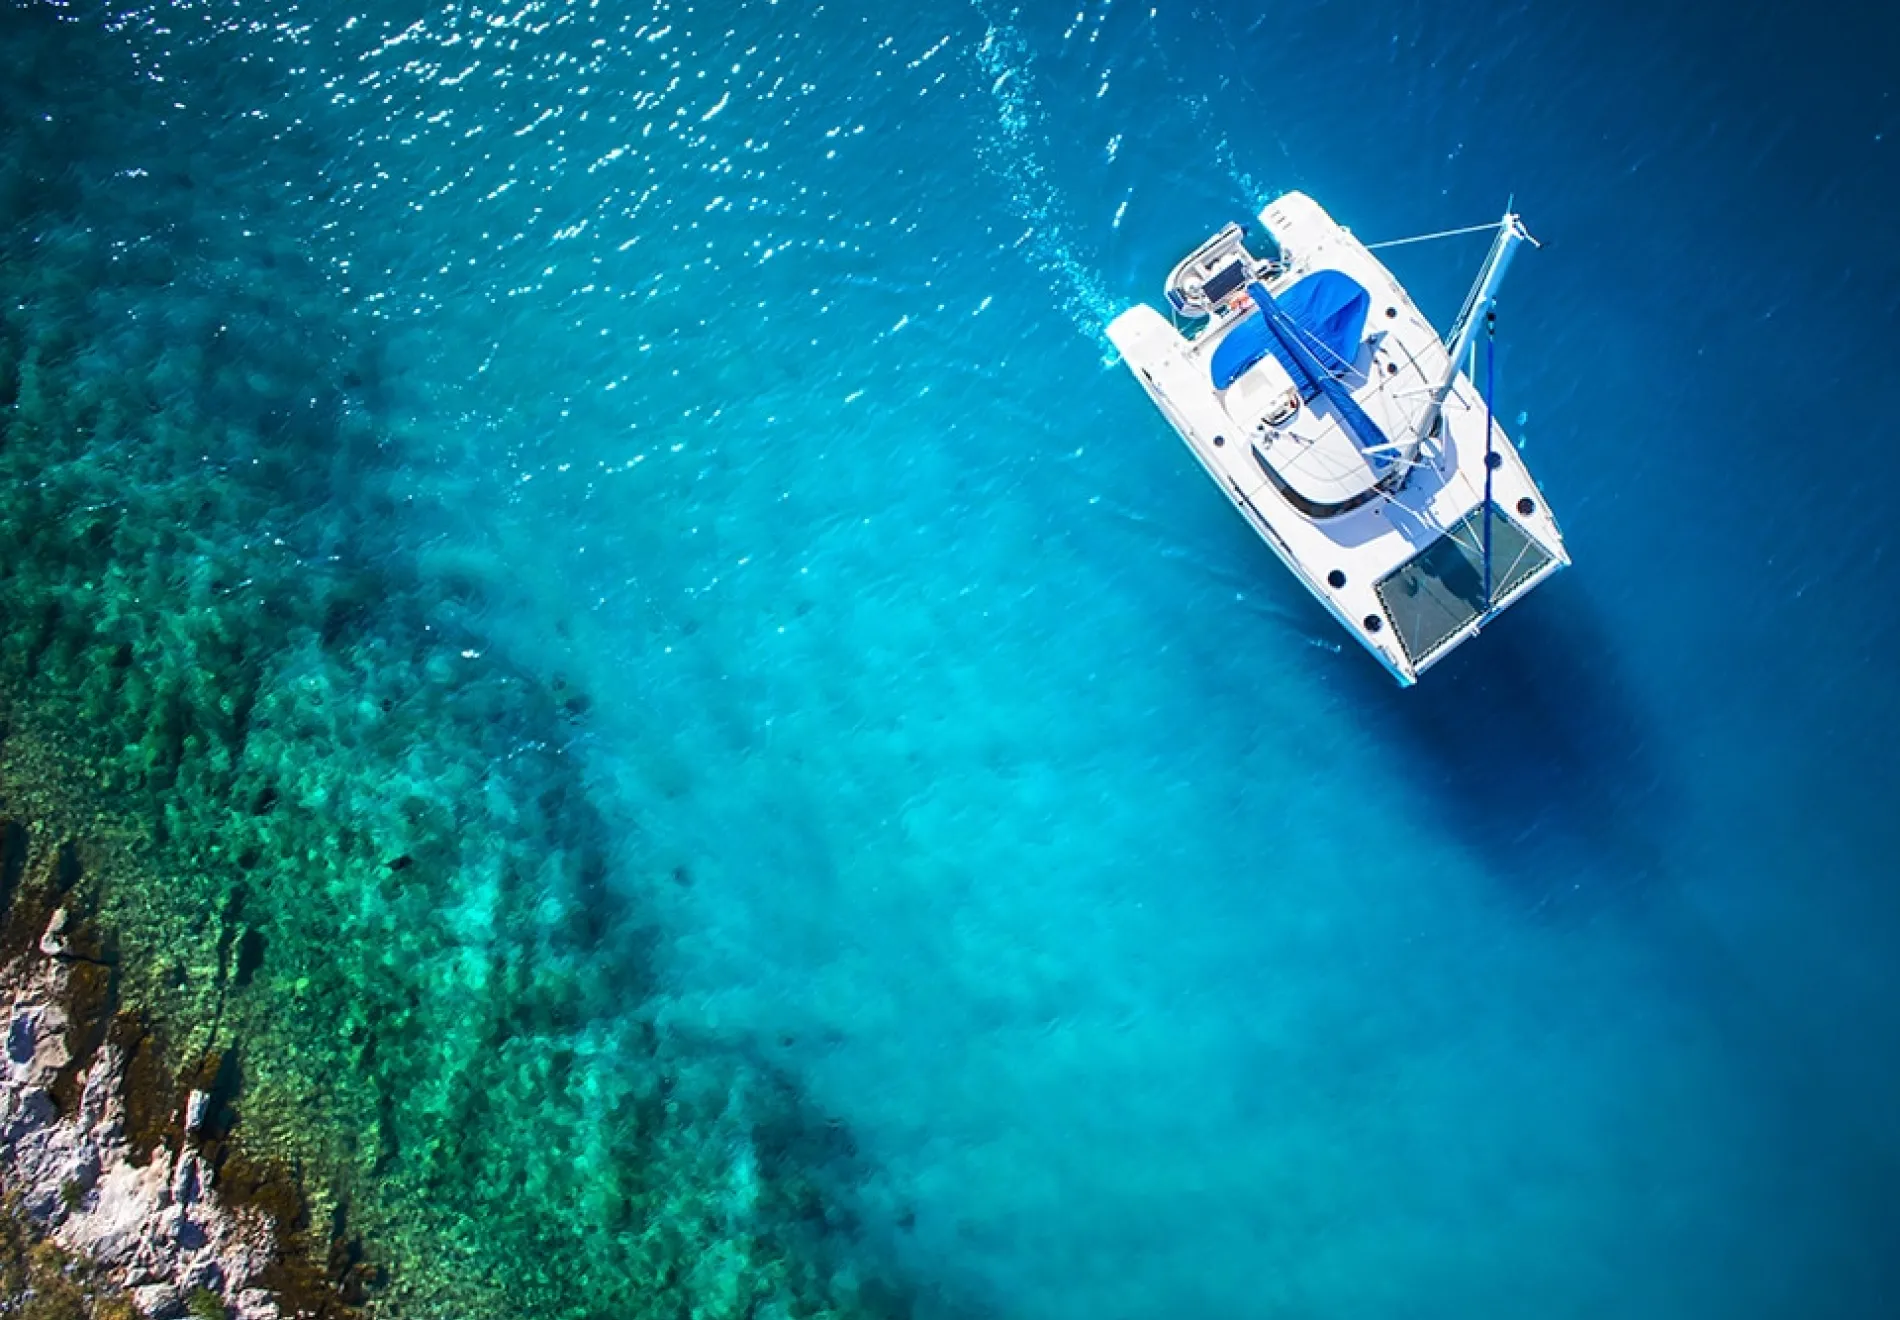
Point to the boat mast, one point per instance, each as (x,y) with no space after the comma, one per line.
(1490,455)
(1464,330)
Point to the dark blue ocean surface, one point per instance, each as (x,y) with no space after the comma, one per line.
(1161,957)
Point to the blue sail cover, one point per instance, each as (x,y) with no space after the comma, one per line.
(1309,351)
(1328,306)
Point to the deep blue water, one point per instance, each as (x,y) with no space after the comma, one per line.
(1161,957)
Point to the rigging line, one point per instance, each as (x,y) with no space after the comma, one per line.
(1443,233)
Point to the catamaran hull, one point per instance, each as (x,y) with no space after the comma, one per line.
(1406,565)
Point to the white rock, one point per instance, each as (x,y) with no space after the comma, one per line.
(53,942)
(159,1300)
(252,1304)
(187,1179)
(98,1104)
(204,1272)
(197,1108)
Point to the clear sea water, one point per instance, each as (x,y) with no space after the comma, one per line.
(1159,956)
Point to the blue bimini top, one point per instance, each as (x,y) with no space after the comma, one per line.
(1314,333)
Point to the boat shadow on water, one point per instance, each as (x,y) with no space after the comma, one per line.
(1554,767)
(1541,756)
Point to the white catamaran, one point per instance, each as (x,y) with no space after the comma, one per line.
(1347,432)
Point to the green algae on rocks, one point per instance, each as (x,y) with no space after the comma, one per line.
(358,864)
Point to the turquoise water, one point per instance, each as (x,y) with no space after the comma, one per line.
(978,768)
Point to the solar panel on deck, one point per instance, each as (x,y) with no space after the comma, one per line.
(1224,282)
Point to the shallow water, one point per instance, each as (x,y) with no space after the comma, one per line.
(743,365)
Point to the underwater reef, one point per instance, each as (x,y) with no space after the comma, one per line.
(305,894)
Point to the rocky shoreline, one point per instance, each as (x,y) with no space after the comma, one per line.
(117,1162)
